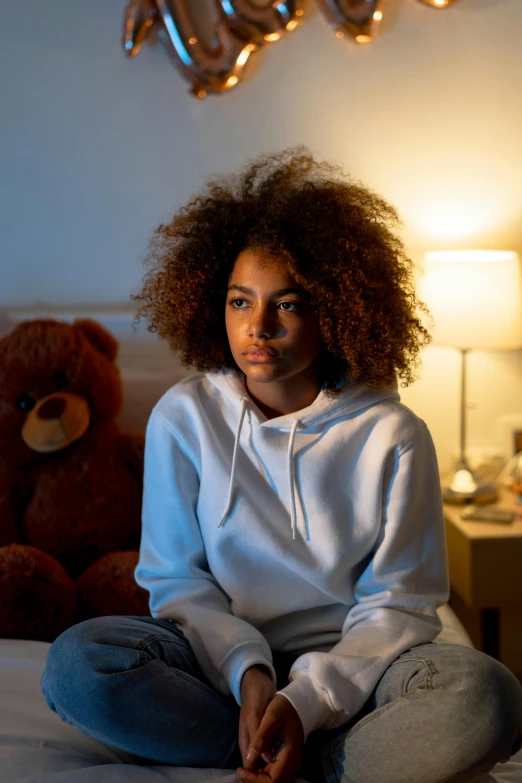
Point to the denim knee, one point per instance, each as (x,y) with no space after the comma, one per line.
(70,665)
(493,700)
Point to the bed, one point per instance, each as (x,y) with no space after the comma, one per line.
(35,745)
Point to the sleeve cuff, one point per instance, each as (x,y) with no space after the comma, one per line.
(241,659)
(312,706)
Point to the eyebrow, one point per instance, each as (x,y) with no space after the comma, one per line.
(281,292)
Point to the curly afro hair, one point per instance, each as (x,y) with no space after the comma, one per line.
(334,235)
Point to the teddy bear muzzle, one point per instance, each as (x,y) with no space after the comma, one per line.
(56,422)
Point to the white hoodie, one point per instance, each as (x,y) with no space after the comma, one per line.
(319,533)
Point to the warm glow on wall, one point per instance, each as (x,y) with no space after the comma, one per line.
(467,207)
(474,297)
(453,219)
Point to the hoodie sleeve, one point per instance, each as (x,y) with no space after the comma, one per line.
(396,597)
(173,566)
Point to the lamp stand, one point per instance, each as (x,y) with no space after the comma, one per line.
(465,486)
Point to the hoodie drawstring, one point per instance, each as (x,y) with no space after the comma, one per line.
(291,474)
(234,460)
(291,477)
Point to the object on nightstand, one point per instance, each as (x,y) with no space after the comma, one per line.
(477,514)
(511,478)
(475,299)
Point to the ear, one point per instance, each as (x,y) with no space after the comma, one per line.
(98,336)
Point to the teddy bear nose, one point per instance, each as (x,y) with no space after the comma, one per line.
(52,409)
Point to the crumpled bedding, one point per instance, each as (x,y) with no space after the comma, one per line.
(36,746)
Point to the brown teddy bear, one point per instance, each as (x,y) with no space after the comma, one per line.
(70,482)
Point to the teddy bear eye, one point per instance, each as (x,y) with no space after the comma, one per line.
(61,379)
(25,402)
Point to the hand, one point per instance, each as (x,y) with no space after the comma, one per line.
(282,722)
(257,691)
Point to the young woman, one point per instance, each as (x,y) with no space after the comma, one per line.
(293,540)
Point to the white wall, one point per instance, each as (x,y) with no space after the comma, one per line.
(98,149)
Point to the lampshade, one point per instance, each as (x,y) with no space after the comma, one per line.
(475,298)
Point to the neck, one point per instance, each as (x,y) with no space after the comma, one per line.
(286,396)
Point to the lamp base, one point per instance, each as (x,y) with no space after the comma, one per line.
(466,487)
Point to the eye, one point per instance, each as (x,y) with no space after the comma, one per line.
(292,304)
(25,402)
(61,380)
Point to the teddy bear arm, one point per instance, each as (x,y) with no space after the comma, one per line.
(14,497)
(132,445)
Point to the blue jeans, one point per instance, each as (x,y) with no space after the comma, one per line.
(440,712)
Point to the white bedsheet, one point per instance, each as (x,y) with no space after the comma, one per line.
(37,747)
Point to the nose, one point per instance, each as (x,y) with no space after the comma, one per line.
(52,409)
(263,323)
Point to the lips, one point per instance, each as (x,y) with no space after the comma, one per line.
(260,351)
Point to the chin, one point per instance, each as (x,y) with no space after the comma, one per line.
(260,372)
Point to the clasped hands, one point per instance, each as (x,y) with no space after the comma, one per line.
(269,726)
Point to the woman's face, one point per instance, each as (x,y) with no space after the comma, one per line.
(266,308)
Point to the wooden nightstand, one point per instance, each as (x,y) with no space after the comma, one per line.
(485,566)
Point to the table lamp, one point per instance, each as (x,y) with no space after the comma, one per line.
(475,298)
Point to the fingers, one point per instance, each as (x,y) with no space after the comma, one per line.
(247,729)
(254,777)
(243,739)
(281,771)
(263,739)
(253,750)
(279,723)
(252,757)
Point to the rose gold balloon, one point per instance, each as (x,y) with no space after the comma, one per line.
(240,28)
(138,21)
(438,3)
(213,68)
(262,23)
(358,18)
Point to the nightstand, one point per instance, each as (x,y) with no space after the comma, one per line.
(485,568)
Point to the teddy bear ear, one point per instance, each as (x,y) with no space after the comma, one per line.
(102,340)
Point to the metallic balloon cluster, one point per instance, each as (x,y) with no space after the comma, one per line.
(241,28)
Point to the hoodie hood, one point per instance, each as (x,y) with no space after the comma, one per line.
(352,398)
